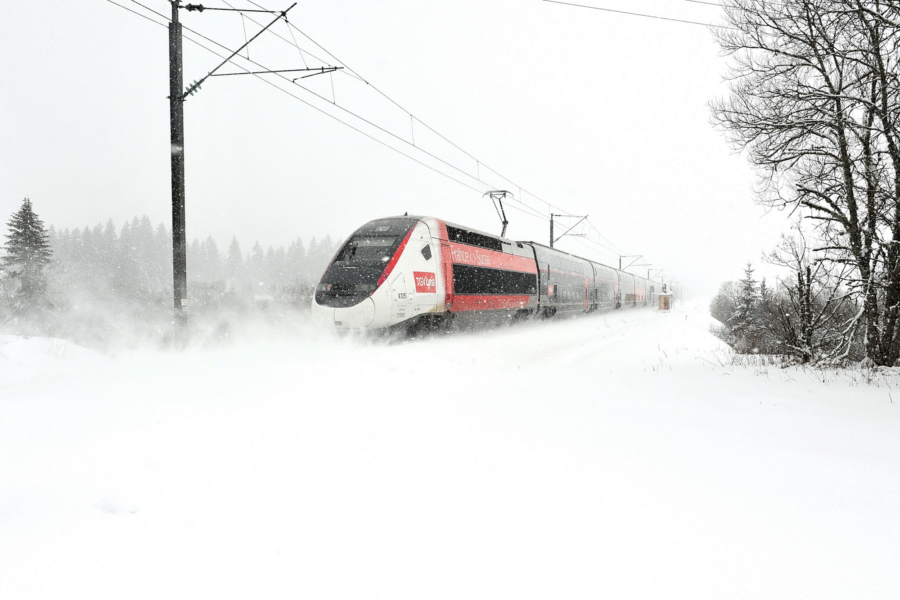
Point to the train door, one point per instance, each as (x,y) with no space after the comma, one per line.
(443,263)
(552,286)
(586,299)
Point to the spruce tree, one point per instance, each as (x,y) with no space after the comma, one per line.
(235,261)
(256,266)
(743,321)
(27,255)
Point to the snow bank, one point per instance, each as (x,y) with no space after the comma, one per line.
(610,456)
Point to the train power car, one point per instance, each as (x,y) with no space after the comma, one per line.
(422,272)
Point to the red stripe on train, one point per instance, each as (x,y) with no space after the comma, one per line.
(479,257)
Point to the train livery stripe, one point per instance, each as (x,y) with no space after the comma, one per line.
(393,262)
(479,257)
(473,302)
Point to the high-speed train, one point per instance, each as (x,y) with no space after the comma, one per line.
(424,273)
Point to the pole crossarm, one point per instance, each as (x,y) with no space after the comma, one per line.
(196,85)
(636,258)
(318,71)
(569,229)
(201,8)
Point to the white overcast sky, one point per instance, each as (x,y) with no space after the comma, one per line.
(599,113)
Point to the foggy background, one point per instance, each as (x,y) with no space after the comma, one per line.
(598,113)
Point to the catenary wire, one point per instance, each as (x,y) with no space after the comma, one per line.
(359,77)
(550,206)
(353,74)
(368,135)
(349,69)
(530,211)
(525,210)
(138,14)
(361,118)
(647,16)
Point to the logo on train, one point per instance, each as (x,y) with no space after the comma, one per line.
(425,282)
(459,255)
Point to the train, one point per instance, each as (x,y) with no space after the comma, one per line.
(415,273)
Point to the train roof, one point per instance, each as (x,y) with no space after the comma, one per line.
(545,247)
(514,242)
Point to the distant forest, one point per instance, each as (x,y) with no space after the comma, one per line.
(137,261)
(107,287)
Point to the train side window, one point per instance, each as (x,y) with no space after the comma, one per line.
(426,252)
(455,234)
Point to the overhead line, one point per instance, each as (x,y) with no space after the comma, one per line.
(634,14)
(321,97)
(361,118)
(398,105)
(707,3)
(349,69)
(295,44)
(138,14)
(521,201)
(526,208)
(368,135)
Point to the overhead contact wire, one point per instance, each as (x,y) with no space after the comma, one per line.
(526,209)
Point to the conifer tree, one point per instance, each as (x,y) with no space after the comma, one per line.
(27,255)
(256,265)
(235,262)
(744,322)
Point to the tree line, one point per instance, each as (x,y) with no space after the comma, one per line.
(87,283)
(805,316)
(814,104)
(138,258)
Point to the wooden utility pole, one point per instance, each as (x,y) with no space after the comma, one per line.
(176,127)
(177,96)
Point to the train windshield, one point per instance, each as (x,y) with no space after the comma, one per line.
(367,249)
(354,273)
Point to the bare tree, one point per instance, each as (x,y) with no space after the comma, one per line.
(813,102)
(811,316)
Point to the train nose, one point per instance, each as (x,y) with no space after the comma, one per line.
(359,316)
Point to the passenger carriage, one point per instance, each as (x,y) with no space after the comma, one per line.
(424,272)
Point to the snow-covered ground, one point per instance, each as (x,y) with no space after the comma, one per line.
(612,456)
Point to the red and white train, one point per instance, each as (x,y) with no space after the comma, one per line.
(421,272)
